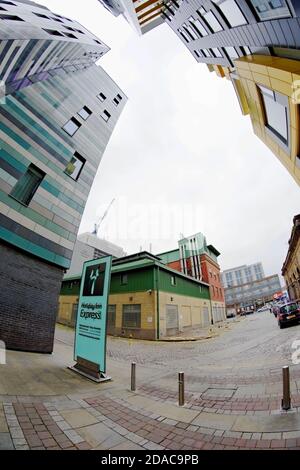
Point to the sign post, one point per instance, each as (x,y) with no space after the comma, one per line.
(90,335)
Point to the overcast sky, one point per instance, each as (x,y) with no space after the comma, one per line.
(182,158)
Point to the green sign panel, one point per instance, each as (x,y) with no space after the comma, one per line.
(90,336)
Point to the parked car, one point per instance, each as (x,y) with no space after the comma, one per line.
(265,308)
(288,313)
(230,313)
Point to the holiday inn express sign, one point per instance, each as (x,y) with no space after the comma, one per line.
(90,336)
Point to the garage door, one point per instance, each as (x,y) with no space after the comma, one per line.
(205,321)
(186,316)
(172,322)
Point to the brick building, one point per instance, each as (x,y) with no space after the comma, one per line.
(291,266)
(198,260)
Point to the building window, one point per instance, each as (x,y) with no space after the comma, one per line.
(184,35)
(231,12)
(270,9)
(85,113)
(124,279)
(173,280)
(131,317)
(198,26)
(111,316)
(190,31)
(246,50)
(216,52)
(101,97)
(231,51)
(211,20)
(205,52)
(26,187)
(75,166)
(105,115)
(53,32)
(276,112)
(10,18)
(117,99)
(72,126)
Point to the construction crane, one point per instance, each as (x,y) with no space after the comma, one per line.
(96,226)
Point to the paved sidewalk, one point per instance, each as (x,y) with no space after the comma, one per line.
(44,405)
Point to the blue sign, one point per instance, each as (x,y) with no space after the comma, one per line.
(90,336)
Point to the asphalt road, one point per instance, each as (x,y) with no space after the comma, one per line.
(255,344)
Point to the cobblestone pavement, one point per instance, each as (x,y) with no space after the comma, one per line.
(232,400)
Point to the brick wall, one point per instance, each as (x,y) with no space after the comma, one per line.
(28,301)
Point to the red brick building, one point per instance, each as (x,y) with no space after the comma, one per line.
(197,259)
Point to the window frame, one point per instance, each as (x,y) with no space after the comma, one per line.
(139,320)
(88,112)
(33,169)
(101,97)
(124,279)
(83,161)
(272,17)
(75,121)
(284,101)
(107,114)
(218,4)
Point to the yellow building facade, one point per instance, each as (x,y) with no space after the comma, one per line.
(268,89)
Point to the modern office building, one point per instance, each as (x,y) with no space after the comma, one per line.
(195,258)
(291,266)
(141,15)
(57,113)
(254,44)
(248,287)
(148,300)
(88,246)
(242,275)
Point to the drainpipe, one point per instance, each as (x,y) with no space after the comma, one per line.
(211,308)
(156,276)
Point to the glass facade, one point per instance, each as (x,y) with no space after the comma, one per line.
(231,12)
(276,113)
(270,9)
(27,185)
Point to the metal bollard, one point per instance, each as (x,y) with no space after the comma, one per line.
(181,388)
(286,400)
(133,376)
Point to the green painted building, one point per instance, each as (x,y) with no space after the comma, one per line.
(148,300)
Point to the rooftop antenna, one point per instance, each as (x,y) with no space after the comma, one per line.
(97,225)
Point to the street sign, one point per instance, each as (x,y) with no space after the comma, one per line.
(90,335)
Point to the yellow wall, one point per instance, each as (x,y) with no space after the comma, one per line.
(280,75)
(147,301)
(66,303)
(190,310)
